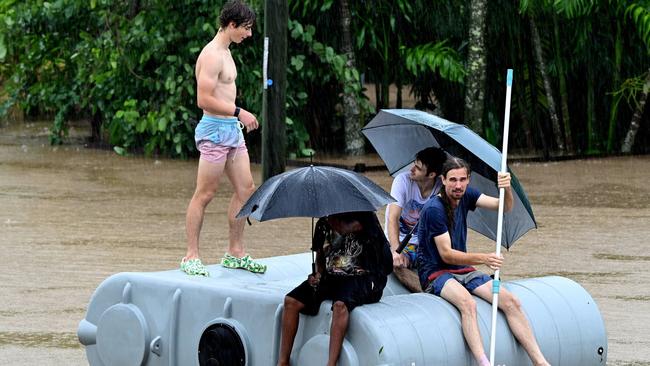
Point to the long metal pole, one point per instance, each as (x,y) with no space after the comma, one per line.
(274,139)
(504,168)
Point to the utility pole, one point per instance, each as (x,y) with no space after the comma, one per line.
(274,139)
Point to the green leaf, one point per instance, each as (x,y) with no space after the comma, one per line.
(329,53)
(310,29)
(326,5)
(361,38)
(318,48)
(297,62)
(297,31)
(339,63)
(3,48)
(141,125)
(119,150)
(162,124)
(308,152)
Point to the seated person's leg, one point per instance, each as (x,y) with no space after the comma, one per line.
(452,291)
(340,319)
(303,299)
(409,276)
(517,321)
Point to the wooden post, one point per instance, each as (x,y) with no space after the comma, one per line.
(274,138)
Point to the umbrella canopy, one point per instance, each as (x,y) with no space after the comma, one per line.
(398,134)
(314,191)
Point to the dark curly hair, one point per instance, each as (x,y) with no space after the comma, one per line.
(237,12)
(432,158)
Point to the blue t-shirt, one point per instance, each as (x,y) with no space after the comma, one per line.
(433,222)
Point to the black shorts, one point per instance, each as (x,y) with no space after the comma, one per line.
(353,291)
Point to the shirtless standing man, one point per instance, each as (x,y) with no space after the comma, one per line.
(220,141)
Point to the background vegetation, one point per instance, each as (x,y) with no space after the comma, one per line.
(127,66)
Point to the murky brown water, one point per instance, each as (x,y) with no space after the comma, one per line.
(70,217)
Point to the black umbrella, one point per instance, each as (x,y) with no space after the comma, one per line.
(314,191)
(398,134)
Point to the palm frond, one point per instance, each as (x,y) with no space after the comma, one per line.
(641,16)
(436,58)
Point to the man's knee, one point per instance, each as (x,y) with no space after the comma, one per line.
(292,304)
(204,196)
(339,307)
(244,191)
(467,305)
(509,303)
(249,189)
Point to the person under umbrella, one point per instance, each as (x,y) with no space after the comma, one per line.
(411,189)
(398,134)
(354,257)
(445,265)
(353,260)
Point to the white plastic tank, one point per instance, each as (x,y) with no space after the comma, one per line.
(234,318)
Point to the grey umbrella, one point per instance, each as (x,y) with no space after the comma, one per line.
(398,134)
(314,191)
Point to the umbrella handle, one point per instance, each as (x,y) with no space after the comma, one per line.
(406,239)
(403,243)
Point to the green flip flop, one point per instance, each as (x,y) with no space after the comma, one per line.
(194,267)
(245,262)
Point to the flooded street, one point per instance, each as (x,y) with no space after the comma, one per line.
(71,216)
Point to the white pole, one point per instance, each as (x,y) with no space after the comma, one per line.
(265,63)
(504,168)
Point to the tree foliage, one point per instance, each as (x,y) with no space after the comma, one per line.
(128,67)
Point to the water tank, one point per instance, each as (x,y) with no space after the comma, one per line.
(234,318)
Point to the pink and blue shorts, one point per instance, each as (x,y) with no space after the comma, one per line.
(218,139)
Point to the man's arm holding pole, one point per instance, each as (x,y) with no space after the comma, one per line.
(492,203)
(456,257)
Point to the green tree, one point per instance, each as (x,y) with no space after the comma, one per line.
(476,67)
(532,8)
(354,141)
(640,13)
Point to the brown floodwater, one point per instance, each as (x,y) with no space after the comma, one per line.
(71,216)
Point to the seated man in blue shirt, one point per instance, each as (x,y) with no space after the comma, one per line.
(445,267)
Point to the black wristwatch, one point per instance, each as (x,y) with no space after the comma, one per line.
(237,109)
